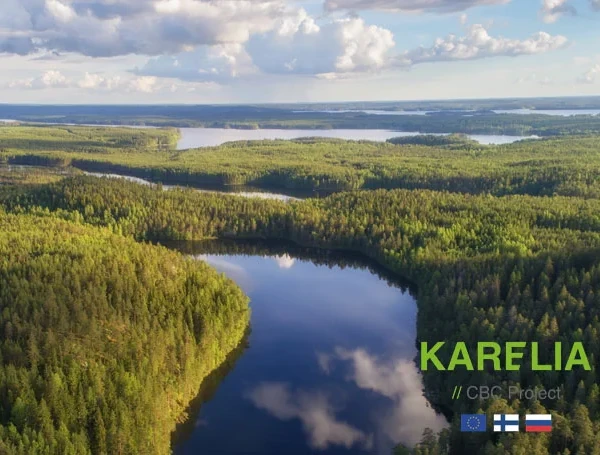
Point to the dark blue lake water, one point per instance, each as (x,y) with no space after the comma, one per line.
(329,367)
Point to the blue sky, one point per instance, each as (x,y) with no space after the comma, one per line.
(230,51)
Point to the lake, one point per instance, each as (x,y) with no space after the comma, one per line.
(211,137)
(329,364)
(240,190)
(367,111)
(558,112)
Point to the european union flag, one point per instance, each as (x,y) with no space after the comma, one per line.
(473,423)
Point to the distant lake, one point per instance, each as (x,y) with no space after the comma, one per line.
(241,190)
(367,111)
(559,112)
(211,137)
(329,367)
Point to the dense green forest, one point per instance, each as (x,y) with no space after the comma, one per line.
(562,166)
(487,268)
(104,341)
(450,120)
(86,139)
(503,243)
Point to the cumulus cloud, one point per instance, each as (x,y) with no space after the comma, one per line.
(295,45)
(552,10)
(90,81)
(340,46)
(49,79)
(478,44)
(220,63)
(144,84)
(103,28)
(223,40)
(591,76)
(97,81)
(417,6)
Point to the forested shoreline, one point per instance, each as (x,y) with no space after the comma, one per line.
(104,340)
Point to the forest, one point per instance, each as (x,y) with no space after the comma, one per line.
(565,166)
(487,268)
(103,341)
(449,119)
(513,259)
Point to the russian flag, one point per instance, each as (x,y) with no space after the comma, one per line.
(538,423)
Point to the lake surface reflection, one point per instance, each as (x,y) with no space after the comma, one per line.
(240,190)
(211,137)
(329,367)
(557,112)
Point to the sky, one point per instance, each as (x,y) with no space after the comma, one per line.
(269,51)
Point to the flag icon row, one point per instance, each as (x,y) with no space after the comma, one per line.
(506,423)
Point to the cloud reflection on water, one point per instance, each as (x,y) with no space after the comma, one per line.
(402,420)
(234,271)
(285,261)
(409,412)
(314,411)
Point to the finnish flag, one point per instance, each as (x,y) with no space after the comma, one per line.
(506,422)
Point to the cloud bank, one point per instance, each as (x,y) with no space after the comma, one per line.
(478,44)
(415,6)
(106,28)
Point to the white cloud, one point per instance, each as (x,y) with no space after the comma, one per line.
(101,28)
(97,81)
(295,45)
(144,84)
(435,6)
(340,46)
(592,76)
(478,44)
(60,11)
(313,410)
(552,10)
(141,84)
(48,79)
(89,81)
(220,63)
(535,78)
